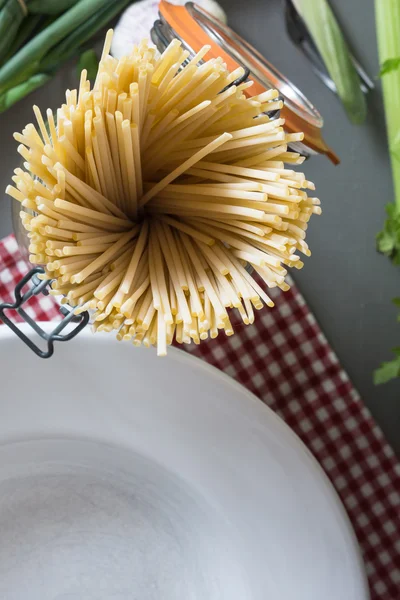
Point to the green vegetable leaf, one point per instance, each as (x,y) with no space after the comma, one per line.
(388,240)
(391,210)
(389,65)
(387,371)
(396,302)
(391,369)
(14,94)
(89,61)
(385,242)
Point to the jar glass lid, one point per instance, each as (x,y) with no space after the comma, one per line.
(260,69)
(196,27)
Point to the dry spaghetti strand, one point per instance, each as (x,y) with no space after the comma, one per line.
(150,195)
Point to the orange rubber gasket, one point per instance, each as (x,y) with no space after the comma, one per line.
(185,26)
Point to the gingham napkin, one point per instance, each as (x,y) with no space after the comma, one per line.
(285,359)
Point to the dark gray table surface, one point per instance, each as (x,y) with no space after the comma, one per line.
(347,285)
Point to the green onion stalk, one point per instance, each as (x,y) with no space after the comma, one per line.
(57,39)
(26,15)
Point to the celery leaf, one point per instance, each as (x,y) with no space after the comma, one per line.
(388,240)
(391,369)
(387,371)
(389,65)
(89,61)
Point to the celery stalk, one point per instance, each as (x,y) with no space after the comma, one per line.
(387,14)
(328,38)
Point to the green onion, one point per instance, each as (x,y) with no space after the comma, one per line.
(50,7)
(18,92)
(16,20)
(11,17)
(57,39)
(328,38)
(87,28)
(26,29)
(35,50)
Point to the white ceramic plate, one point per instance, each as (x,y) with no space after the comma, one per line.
(124,476)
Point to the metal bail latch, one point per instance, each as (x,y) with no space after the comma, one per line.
(37,287)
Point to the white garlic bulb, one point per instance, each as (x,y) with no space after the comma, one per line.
(137,21)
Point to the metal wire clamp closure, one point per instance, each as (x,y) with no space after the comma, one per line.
(38,286)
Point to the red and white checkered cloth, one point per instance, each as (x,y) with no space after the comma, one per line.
(285,359)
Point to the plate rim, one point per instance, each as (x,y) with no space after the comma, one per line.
(182,356)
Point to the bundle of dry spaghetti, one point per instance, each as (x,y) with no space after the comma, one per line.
(147,196)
